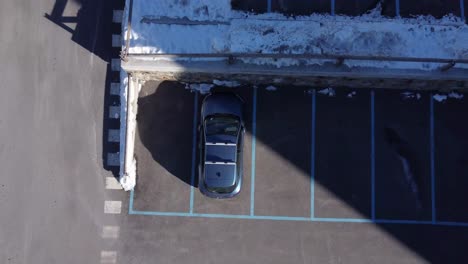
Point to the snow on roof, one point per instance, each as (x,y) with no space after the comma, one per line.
(193,26)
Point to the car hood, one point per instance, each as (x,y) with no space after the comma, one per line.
(221,103)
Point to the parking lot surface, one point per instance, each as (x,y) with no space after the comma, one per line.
(375,165)
(451,166)
(342,153)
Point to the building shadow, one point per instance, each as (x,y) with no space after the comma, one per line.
(92,24)
(165,128)
(92,28)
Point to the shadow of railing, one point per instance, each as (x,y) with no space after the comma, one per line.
(92,24)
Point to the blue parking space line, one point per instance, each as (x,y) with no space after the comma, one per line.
(462,10)
(332,7)
(130,202)
(407,222)
(432,150)
(194,150)
(372,153)
(444,223)
(341,220)
(302,219)
(154,213)
(279,218)
(397,8)
(268,6)
(254,133)
(312,159)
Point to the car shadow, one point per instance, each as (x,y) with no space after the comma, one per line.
(165,127)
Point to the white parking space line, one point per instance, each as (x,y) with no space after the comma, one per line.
(117,16)
(113,184)
(115,88)
(114,135)
(112,207)
(110,231)
(113,159)
(116,41)
(108,257)
(115,64)
(114,112)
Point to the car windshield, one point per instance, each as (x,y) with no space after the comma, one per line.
(221,125)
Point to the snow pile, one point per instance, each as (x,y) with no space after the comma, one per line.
(351,94)
(178,39)
(440,97)
(271,88)
(198,10)
(455,95)
(127,174)
(451,95)
(327,91)
(202,88)
(226,83)
(410,95)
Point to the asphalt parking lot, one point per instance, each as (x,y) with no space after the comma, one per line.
(352,157)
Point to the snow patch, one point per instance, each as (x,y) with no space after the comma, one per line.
(127,173)
(197,10)
(351,94)
(451,95)
(440,97)
(271,88)
(455,95)
(410,95)
(226,83)
(202,88)
(327,91)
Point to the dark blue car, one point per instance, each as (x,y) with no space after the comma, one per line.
(221,141)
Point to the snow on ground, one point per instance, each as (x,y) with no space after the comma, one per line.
(271,88)
(179,39)
(410,95)
(327,91)
(202,88)
(440,97)
(451,95)
(455,95)
(226,83)
(198,10)
(351,94)
(221,30)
